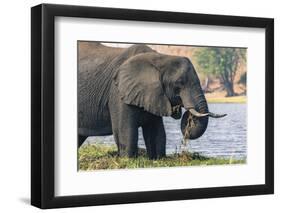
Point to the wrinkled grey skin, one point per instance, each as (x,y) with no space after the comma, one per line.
(122,89)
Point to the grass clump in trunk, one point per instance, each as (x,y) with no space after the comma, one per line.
(93,157)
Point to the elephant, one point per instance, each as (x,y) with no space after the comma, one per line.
(123,89)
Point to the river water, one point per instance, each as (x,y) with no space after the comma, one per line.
(225,137)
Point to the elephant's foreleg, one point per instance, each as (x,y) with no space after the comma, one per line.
(124,125)
(150,147)
(128,141)
(155,139)
(125,133)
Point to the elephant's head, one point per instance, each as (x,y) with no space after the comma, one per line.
(162,83)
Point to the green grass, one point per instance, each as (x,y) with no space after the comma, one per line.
(93,157)
(234,99)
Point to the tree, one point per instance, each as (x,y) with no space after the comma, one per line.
(221,62)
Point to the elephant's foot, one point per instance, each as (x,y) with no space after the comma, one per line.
(125,151)
(156,157)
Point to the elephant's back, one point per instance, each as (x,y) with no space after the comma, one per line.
(96,67)
(94,81)
(88,49)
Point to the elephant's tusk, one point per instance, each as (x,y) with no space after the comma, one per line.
(197,114)
(213,115)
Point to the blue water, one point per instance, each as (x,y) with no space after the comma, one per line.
(225,137)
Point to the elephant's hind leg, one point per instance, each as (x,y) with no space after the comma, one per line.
(155,139)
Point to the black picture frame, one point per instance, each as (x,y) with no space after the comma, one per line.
(43,117)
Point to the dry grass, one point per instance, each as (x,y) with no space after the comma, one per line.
(94,157)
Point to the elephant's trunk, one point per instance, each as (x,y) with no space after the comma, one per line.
(195,120)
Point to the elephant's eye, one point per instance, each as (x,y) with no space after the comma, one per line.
(179,82)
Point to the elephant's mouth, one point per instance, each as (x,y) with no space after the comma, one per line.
(176,112)
(176,104)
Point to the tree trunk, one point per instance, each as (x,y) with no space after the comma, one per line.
(206,85)
(229,89)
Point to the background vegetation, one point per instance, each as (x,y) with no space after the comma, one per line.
(222,63)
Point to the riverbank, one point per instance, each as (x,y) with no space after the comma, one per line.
(233,99)
(94,157)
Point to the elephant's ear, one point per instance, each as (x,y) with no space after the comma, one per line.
(138,82)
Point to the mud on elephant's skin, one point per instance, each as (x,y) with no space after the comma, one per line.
(122,89)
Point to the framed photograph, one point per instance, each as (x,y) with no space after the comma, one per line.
(139,106)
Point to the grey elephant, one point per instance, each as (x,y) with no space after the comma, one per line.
(122,89)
